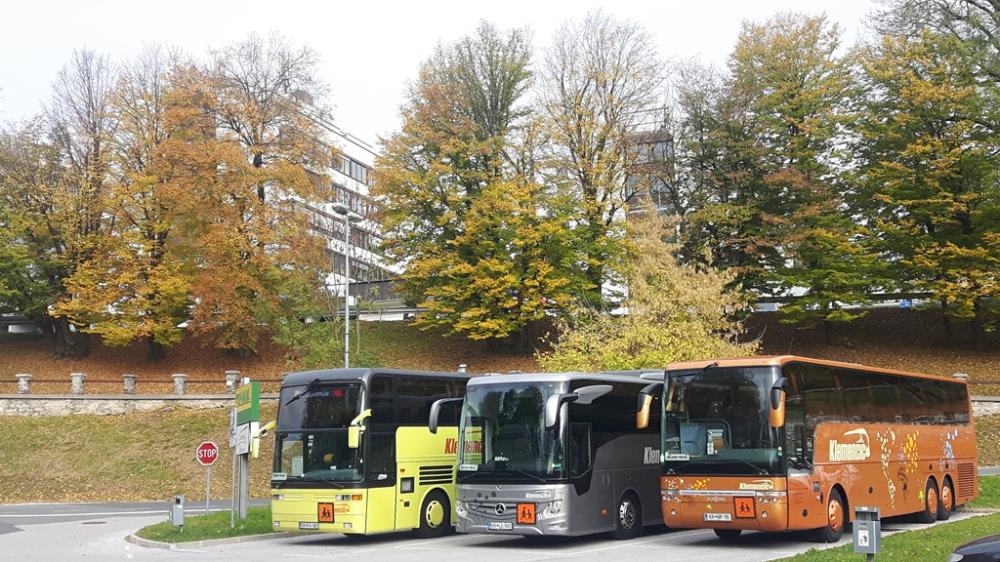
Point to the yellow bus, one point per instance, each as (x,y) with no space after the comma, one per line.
(353,453)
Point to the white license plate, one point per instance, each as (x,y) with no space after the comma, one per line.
(718,517)
(500,526)
(309,526)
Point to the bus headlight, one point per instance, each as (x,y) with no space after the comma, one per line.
(460,508)
(551,509)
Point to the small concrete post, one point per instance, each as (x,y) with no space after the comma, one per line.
(232,377)
(76,382)
(462,367)
(23,383)
(180,381)
(129,380)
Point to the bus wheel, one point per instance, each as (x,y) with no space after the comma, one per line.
(628,518)
(435,516)
(946,504)
(930,512)
(728,534)
(836,517)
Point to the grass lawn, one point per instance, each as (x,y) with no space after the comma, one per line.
(215,525)
(926,544)
(131,457)
(989,493)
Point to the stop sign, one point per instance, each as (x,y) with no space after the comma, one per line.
(207,453)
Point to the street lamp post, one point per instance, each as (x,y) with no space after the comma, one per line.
(349,217)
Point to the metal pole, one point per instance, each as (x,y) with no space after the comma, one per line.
(347,290)
(208,486)
(244,485)
(232,504)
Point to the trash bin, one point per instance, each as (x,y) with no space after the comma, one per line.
(176,514)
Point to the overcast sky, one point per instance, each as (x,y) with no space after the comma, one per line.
(370,49)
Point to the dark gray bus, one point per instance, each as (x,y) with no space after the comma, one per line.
(555,454)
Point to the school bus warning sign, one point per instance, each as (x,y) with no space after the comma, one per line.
(324,513)
(526,514)
(744,508)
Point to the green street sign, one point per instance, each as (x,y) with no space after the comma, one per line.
(248,403)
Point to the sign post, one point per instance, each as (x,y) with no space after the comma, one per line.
(206,454)
(247,420)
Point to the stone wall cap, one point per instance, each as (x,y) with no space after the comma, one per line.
(130,397)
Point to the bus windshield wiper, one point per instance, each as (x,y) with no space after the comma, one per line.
(305,390)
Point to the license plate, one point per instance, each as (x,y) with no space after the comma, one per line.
(309,526)
(500,525)
(718,517)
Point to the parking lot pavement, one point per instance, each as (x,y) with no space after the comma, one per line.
(102,538)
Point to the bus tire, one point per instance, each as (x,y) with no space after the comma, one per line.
(929,513)
(836,518)
(628,517)
(435,516)
(946,500)
(728,534)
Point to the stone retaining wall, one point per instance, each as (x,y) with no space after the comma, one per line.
(68,404)
(986,405)
(103,405)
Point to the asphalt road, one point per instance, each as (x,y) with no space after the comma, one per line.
(53,532)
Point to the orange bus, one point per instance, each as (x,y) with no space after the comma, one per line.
(789,443)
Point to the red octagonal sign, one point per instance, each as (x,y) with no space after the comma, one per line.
(207,453)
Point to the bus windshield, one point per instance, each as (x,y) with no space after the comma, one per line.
(311,439)
(715,420)
(503,433)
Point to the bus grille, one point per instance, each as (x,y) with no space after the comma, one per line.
(444,474)
(966,479)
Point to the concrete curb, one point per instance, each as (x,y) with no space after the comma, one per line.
(212,542)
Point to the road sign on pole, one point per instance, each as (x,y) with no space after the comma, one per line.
(206,454)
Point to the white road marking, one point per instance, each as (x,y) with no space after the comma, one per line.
(105,513)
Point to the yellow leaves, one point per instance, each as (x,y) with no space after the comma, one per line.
(674,312)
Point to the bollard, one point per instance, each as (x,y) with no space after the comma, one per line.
(462,367)
(180,381)
(129,380)
(232,377)
(23,383)
(76,382)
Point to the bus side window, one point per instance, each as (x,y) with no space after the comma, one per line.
(380,399)
(382,453)
(579,448)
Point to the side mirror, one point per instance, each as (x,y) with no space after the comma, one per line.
(584,395)
(645,404)
(432,419)
(588,394)
(553,404)
(354,431)
(776,416)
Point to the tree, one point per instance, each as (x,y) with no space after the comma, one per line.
(774,137)
(598,81)
(136,283)
(37,212)
(929,171)
(674,312)
(266,160)
(485,244)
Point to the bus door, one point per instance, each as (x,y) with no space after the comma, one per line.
(382,479)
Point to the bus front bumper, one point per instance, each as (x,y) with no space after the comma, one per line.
(527,510)
(332,511)
(721,505)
